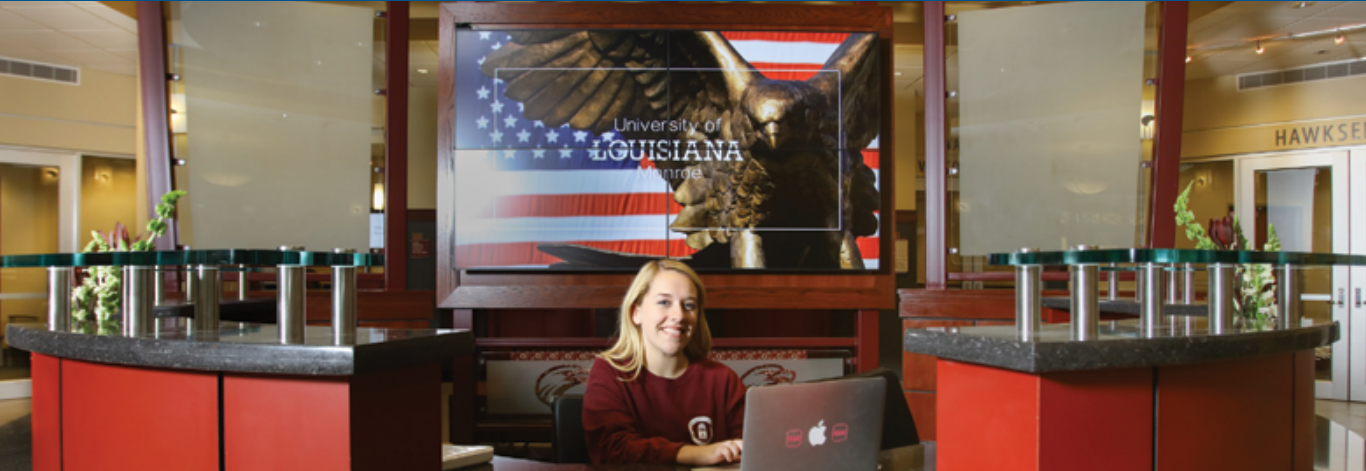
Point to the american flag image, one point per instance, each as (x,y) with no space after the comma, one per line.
(520,183)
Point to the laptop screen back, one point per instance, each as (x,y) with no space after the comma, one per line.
(816,426)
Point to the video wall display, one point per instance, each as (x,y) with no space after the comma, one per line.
(731,150)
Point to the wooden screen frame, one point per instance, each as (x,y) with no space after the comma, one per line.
(460,289)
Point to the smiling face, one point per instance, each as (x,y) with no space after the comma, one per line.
(667,316)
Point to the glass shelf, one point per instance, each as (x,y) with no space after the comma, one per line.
(193,257)
(1074,257)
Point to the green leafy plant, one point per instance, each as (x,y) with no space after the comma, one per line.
(1255,304)
(101,292)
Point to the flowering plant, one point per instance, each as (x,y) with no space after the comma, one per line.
(100,294)
(1255,304)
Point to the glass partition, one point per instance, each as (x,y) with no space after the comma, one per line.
(1050,115)
(276,119)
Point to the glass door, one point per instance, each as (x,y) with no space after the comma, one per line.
(1304,196)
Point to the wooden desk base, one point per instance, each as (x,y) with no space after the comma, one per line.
(1246,414)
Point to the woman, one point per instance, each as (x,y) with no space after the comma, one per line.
(654,397)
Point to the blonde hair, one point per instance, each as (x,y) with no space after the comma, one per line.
(628,354)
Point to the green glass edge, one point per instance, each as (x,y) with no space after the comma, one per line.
(1073,257)
(193,257)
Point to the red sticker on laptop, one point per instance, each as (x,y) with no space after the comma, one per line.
(841,433)
(794,438)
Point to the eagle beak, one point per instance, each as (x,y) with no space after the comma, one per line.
(771,130)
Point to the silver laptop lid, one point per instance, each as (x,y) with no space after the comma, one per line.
(815,426)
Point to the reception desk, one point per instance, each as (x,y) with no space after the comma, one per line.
(236,397)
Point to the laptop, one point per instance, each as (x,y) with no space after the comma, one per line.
(815,426)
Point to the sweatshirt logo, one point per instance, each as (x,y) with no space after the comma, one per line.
(700,430)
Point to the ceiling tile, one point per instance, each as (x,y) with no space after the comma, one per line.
(93,58)
(62,16)
(9,20)
(109,14)
(117,69)
(38,56)
(43,40)
(107,39)
(130,54)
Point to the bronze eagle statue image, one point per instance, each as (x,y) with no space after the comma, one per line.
(797,194)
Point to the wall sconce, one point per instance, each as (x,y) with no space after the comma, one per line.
(377,198)
(104,174)
(1148,122)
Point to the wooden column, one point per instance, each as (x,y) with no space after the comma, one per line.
(1171,93)
(155,122)
(396,148)
(936,134)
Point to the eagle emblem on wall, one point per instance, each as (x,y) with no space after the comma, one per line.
(798,194)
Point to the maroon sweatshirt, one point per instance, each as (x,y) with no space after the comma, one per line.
(648,420)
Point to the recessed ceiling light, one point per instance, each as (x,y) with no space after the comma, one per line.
(1301,4)
(421,71)
(898,74)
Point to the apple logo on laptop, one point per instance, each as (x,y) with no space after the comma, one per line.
(817,435)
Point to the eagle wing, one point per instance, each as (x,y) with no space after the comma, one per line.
(858,97)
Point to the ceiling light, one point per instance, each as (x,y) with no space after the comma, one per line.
(898,74)
(1298,5)
(1339,38)
(1260,49)
(421,71)
(1189,59)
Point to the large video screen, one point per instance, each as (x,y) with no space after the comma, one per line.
(600,149)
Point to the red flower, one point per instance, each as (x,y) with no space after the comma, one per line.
(1221,232)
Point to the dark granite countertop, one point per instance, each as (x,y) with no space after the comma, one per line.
(1119,346)
(245,347)
(1128,306)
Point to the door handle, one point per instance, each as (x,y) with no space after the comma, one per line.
(1342,297)
(1358,297)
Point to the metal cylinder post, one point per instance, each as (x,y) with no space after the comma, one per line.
(1112,284)
(158,286)
(137,300)
(1288,297)
(1220,295)
(59,298)
(191,285)
(1150,316)
(206,306)
(1139,288)
(242,283)
(344,302)
(290,287)
(1188,288)
(1028,299)
(1085,302)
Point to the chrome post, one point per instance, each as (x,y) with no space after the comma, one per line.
(158,286)
(137,300)
(1288,297)
(1139,287)
(191,286)
(1174,285)
(59,299)
(1188,290)
(290,299)
(242,283)
(1112,284)
(1150,315)
(1028,298)
(344,302)
(1085,299)
(1220,298)
(206,302)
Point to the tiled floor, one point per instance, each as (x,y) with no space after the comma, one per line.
(1349,414)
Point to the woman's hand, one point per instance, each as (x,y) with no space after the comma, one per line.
(723,452)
